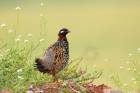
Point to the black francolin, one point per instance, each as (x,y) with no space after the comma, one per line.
(56,56)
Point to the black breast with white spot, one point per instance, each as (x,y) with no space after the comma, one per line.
(65,44)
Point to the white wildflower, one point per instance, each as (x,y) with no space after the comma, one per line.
(1,55)
(41,15)
(135,82)
(41,40)
(20,77)
(10,30)
(19,70)
(134,69)
(3,25)
(41,4)
(128,69)
(19,36)
(133,79)
(31,87)
(121,67)
(29,35)
(106,60)
(129,54)
(25,41)
(17,39)
(127,62)
(125,84)
(138,49)
(18,8)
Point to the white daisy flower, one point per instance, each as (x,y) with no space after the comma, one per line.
(125,84)
(19,70)
(20,77)
(121,67)
(135,82)
(1,55)
(29,35)
(41,40)
(10,30)
(17,39)
(41,4)
(133,79)
(41,15)
(3,25)
(18,8)
(129,54)
(134,69)
(25,41)
(127,62)
(129,92)
(138,49)
(128,69)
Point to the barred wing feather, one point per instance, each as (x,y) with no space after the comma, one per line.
(54,58)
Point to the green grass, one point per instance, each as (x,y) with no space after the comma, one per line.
(18,71)
(133,70)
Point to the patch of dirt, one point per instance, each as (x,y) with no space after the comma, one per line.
(70,87)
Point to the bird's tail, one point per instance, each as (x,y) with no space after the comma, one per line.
(40,66)
(38,61)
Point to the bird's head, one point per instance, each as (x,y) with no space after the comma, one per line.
(63,32)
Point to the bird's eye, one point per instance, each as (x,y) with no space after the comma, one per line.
(62,32)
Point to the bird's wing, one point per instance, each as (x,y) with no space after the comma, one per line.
(54,57)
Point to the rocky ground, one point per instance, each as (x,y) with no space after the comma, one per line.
(70,87)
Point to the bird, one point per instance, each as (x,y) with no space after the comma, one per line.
(56,56)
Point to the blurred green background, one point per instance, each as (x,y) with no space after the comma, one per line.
(103,32)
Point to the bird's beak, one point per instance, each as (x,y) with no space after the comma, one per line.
(69,31)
